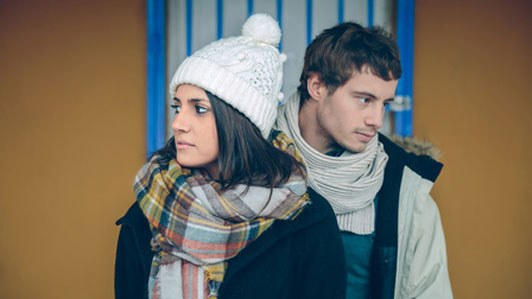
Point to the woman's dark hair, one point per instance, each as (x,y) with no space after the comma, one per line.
(347,47)
(244,157)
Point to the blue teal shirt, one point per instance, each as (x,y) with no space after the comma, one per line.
(358,250)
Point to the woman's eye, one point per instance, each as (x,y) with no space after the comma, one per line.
(176,108)
(201,109)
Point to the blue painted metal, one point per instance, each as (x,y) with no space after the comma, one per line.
(250,7)
(280,20)
(371,12)
(341,11)
(405,41)
(156,78)
(219,18)
(309,21)
(189,9)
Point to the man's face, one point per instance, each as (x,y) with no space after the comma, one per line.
(351,116)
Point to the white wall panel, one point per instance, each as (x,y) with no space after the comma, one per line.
(234,16)
(356,11)
(324,15)
(204,23)
(294,42)
(383,14)
(266,6)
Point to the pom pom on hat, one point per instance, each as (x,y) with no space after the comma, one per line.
(263,28)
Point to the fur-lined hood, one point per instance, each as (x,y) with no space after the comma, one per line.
(413,145)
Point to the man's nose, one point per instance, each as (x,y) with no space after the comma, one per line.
(375,116)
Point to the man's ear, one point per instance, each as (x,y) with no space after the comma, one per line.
(316,88)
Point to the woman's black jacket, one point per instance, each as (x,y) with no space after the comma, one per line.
(303,258)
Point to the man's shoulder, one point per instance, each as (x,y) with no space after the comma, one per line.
(411,145)
(420,156)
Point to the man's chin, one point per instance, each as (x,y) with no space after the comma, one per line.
(356,148)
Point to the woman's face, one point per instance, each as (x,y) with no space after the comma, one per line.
(194,126)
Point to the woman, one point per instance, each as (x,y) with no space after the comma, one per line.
(220,211)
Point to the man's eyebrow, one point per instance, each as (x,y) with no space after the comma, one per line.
(364,93)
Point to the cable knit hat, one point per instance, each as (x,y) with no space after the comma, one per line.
(245,71)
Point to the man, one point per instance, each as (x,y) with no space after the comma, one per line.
(391,228)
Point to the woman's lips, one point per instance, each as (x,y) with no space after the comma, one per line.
(181,144)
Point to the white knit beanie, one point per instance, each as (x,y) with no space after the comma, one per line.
(245,71)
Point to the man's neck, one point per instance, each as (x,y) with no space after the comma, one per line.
(310,129)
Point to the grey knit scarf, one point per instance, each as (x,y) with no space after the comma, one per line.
(349,182)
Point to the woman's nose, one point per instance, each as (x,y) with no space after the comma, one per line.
(181,123)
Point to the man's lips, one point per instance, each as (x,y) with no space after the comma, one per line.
(365,136)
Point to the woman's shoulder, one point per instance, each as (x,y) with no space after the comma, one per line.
(133,216)
(135,233)
(137,227)
(317,218)
(133,254)
(319,208)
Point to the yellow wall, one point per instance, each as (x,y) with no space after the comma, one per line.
(72,89)
(473,99)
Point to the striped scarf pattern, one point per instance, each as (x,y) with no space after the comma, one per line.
(197,226)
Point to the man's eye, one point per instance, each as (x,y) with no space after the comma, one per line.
(176,108)
(364,100)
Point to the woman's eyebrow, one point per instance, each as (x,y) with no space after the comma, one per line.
(195,100)
(198,100)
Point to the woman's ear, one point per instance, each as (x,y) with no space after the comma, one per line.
(316,88)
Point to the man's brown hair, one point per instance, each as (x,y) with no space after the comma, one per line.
(347,47)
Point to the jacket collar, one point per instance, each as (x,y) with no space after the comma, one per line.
(423,164)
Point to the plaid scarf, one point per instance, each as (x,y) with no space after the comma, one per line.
(197,226)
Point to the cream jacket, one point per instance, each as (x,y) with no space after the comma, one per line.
(421,257)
